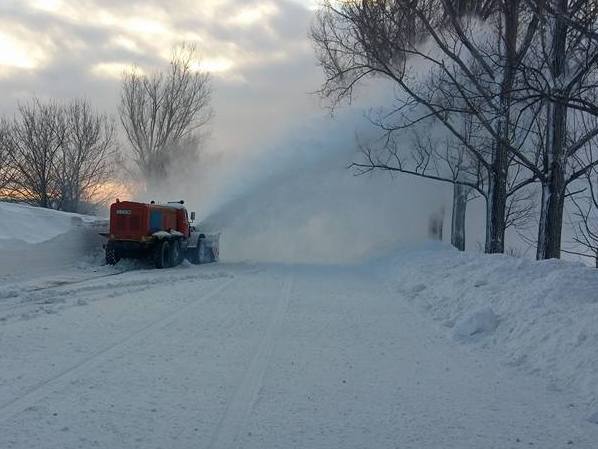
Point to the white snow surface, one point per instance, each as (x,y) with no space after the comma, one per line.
(424,348)
(24,223)
(165,234)
(537,316)
(42,242)
(258,356)
(476,324)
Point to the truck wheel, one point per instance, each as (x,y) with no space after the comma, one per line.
(176,256)
(162,255)
(112,256)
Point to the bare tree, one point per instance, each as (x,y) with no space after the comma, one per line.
(444,160)
(163,112)
(88,155)
(561,75)
(441,160)
(34,141)
(586,214)
(475,76)
(6,166)
(59,156)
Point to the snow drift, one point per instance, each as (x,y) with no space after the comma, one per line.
(539,316)
(21,223)
(35,240)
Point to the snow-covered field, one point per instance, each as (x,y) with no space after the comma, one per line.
(423,348)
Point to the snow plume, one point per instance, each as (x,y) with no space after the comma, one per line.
(296,200)
(291,197)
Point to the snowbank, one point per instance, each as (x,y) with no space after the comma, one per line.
(24,223)
(36,241)
(538,316)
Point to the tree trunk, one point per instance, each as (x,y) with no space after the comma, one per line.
(496,208)
(436,225)
(44,200)
(549,244)
(460,195)
(553,188)
(497,198)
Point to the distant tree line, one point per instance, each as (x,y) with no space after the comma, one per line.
(512,87)
(63,155)
(56,155)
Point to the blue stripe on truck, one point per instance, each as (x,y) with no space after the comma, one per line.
(155,220)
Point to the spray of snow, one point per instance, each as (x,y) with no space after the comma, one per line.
(298,201)
(295,198)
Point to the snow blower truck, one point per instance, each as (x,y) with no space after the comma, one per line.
(163,233)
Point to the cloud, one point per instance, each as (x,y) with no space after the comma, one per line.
(241,31)
(110,69)
(251,15)
(23,49)
(262,63)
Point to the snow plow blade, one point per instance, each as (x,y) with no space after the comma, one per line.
(209,248)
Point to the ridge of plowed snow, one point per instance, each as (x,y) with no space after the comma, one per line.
(541,316)
(42,242)
(24,223)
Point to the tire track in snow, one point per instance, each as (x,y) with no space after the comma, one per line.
(61,380)
(239,407)
(78,281)
(39,298)
(52,288)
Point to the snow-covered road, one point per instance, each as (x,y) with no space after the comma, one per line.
(256,356)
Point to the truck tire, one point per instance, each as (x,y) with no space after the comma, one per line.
(162,254)
(176,253)
(112,256)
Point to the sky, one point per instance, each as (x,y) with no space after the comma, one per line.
(258,52)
